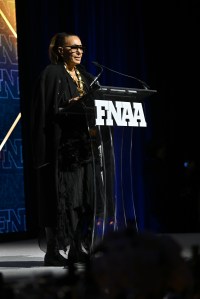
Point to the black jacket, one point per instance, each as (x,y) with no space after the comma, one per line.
(53,86)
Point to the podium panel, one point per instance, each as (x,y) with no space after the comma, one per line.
(116,120)
(118,131)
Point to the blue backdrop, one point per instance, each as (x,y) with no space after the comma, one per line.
(12,200)
(155,42)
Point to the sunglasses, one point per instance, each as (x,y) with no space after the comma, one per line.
(75,48)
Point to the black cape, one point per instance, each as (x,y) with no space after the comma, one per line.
(53,86)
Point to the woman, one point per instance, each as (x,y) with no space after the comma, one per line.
(65,152)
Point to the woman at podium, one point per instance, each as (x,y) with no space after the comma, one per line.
(65,155)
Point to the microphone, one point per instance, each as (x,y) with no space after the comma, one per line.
(97,77)
(144,84)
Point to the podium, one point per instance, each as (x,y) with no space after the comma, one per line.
(120,116)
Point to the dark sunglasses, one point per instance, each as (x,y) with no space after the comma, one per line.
(75,48)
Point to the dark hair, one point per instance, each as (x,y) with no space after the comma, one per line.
(57,41)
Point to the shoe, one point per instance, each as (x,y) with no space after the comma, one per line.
(55,260)
(77,256)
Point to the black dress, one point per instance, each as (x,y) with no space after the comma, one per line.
(66,157)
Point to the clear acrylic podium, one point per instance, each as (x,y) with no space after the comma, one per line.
(116,113)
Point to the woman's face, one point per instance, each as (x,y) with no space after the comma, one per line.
(72,50)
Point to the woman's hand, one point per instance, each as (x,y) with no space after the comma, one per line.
(74,99)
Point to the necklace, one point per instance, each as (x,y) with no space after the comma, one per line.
(76,77)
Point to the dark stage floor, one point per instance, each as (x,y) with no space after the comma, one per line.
(24,259)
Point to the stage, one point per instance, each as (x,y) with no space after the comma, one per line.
(23,260)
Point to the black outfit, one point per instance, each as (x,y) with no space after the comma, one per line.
(65,157)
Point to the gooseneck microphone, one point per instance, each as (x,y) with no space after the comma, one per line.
(97,77)
(144,84)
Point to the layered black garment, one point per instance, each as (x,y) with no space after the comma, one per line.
(65,155)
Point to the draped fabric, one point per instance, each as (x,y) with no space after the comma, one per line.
(156,42)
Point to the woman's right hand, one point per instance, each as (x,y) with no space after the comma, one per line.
(74,99)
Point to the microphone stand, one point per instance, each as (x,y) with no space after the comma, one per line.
(96,78)
(144,84)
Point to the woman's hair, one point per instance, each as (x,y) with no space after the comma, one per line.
(57,41)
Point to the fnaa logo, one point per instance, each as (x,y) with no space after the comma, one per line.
(109,113)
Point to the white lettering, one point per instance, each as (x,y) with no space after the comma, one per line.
(127,115)
(123,113)
(115,113)
(100,112)
(139,115)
